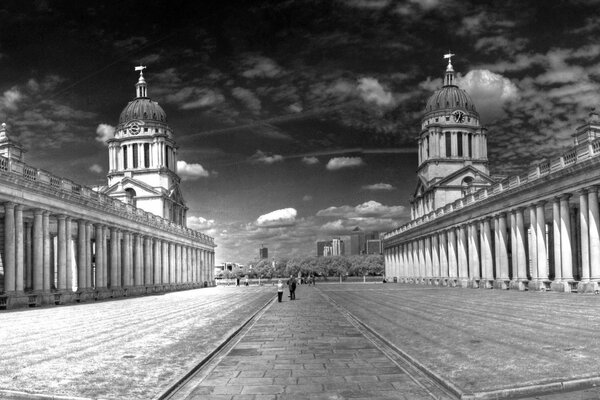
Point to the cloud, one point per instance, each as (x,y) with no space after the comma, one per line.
(278,218)
(261,67)
(378,186)
(190,172)
(310,160)
(344,162)
(131,43)
(262,158)
(104,132)
(200,223)
(96,168)
(370,208)
(248,98)
(189,98)
(10,99)
(489,91)
(307,198)
(371,91)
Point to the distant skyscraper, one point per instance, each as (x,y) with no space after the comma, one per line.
(321,244)
(357,241)
(263,252)
(337,247)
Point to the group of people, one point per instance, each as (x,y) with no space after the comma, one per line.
(291,284)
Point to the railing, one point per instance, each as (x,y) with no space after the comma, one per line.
(583,152)
(66,186)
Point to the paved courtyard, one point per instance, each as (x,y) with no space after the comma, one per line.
(479,342)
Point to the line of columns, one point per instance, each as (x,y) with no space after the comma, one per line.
(82,255)
(551,244)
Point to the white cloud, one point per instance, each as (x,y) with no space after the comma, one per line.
(189,98)
(200,223)
(489,92)
(310,160)
(96,168)
(371,91)
(278,218)
(378,186)
(104,132)
(189,172)
(10,99)
(370,208)
(344,162)
(261,67)
(263,158)
(248,98)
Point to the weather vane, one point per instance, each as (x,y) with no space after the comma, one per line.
(140,68)
(449,56)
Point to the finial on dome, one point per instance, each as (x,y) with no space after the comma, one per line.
(3,135)
(449,80)
(140,86)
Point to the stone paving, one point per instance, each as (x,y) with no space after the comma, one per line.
(306,349)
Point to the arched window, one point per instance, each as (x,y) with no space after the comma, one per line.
(459,143)
(130,196)
(448,144)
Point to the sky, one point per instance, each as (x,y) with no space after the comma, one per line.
(296,120)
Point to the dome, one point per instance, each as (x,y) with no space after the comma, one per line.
(449,98)
(142,109)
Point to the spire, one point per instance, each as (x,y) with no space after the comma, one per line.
(141,87)
(449,79)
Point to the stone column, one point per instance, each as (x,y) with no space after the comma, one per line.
(99,256)
(137,261)
(115,280)
(533,243)
(126,259)
(444,255)
(20,247)
(89,277)
(69,255)
(106,255)
(9,247)
(81,255)
(428,263)
(185,264)
(165,263)
(487,264)
(556,241)
(157,261)
(585,244)
(435,258)
(28,256)
(502,279)
(452,263)
(565,239)
(542,254)
(594,240)
(38,251)
(148,278)
(172,267)
(518,250)
(61,252)
(473,255)
(463,256)
(46,239)
(521,248)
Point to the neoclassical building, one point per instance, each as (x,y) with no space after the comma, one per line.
(539,230)
(63,242)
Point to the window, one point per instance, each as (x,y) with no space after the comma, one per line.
(146,155)
(130,196)
(427,146)
(459,144)
(448,144)
(124,157)
(135,155)
(167,156)
(470,145)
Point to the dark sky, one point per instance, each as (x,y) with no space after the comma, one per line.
(296,120)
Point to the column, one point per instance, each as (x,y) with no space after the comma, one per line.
(106,255)
(542,254)
(9,247)
(594,226)
(126,259)
(46,239)
(428,268)
(421,259)
(28,256)
(443,255)
(89,276)
(533,243)
(38,251)
(99,256)
(521,248)
(165,262)
(502,245)
(69,253)
(19,243)
(81,255)
(435,256)
(147,243)
(172,266)
(137,261)
(463,260)
(452,262)
(115,280)
(557,239)
(61,252)
(473,254)
(157,261)
(487,264)
(566,259)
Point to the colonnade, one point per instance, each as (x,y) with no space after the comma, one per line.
(553,243)
(49,253)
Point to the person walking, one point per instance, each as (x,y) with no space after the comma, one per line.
(279,291)
(292,286)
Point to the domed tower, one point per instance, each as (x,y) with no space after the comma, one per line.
(143,159)
(452,148)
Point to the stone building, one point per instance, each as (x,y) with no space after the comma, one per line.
(64,242)
(537,231)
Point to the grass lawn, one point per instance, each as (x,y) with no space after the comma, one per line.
(483,340)
(125,349)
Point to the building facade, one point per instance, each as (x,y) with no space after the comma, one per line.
(63,242)
(539,230)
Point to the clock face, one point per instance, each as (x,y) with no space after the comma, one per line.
(459,116)
(134,129)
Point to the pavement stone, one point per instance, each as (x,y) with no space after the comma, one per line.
(306,349)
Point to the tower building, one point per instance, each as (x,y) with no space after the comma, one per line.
(143,159)
(452,148)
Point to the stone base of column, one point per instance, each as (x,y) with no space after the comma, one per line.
(588,287)
(562,286)
(486,284)
(474,283)
(463,282)
(452,282)
(444,281)
(436,281)
(537,286)
(501,284)
(518,285)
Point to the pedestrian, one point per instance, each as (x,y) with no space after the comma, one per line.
(292,286)
(279,291)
